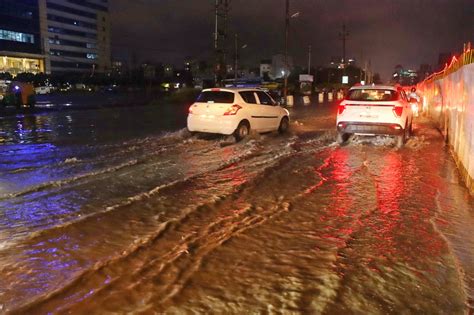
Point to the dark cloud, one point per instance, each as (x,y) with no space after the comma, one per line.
(386,32)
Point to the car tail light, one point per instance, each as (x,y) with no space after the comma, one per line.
(398,111)
(341,109)
(232,110)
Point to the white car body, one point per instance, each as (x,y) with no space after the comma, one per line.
(375,110)
(216,111)
(43,90)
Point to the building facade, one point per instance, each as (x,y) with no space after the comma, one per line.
(54,36)
(77,36)
(21,47)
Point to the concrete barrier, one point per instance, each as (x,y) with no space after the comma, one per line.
(449,102)
(320,97)
(290,100)
(306,100)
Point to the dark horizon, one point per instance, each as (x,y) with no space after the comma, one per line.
(408,32)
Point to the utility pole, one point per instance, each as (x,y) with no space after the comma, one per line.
(287,32)
(309,60)
(343,36)
(236,58)
(220,38)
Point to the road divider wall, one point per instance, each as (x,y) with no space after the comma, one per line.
(448,99)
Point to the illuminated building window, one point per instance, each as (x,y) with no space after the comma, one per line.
(16,65)
(17,37)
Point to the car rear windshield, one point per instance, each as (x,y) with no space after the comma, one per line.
(216,97)
(372,95)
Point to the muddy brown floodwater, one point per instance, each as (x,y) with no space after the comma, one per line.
(143,220)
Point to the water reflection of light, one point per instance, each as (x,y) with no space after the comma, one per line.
(22,165)
(389,189)
(341,172)
(390,184)
(234,174)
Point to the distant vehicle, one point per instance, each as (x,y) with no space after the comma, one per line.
(65,87)
(375,110)
(112,88)
(236,112)
(41,90)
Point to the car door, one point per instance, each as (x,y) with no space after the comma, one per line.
(269,111)
(252,109)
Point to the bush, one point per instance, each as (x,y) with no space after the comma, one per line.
(182,96)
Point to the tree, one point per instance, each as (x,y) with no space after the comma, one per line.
(5,76)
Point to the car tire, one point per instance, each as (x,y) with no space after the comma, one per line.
(242,131)
(401,140)
(342,138)
(284,125)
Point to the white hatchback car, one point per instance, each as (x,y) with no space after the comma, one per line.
(235,112)
(375,110)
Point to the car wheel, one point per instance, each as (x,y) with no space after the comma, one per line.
(401,140)
(342,138)
(242,131)
(284,125)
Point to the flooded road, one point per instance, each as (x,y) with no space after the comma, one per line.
(121,210)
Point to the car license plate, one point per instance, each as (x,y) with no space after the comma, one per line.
(368,116)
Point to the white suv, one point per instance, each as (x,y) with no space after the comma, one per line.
(236,111)
(375,110)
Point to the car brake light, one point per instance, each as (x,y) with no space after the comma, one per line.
(232,110)
(341,109)
(398,111)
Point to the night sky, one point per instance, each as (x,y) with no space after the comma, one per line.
(386,32)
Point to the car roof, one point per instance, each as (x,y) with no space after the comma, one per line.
(375,87)
(232,90)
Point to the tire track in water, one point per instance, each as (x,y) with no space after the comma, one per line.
(74,162)
(151,240)
(252,151)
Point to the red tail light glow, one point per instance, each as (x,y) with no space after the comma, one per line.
(341,109)
(398,111)
(232,110)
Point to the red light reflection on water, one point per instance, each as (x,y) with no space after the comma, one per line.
(342,200)
(390,187)
(233,174)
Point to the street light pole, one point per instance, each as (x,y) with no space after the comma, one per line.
(343,36)
(287,31)
(236,61)
(309,60)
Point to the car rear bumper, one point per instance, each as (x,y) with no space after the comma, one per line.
(367,128)
(212,124)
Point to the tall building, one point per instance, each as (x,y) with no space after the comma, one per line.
(77,36)
(21,48)
(53,36)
